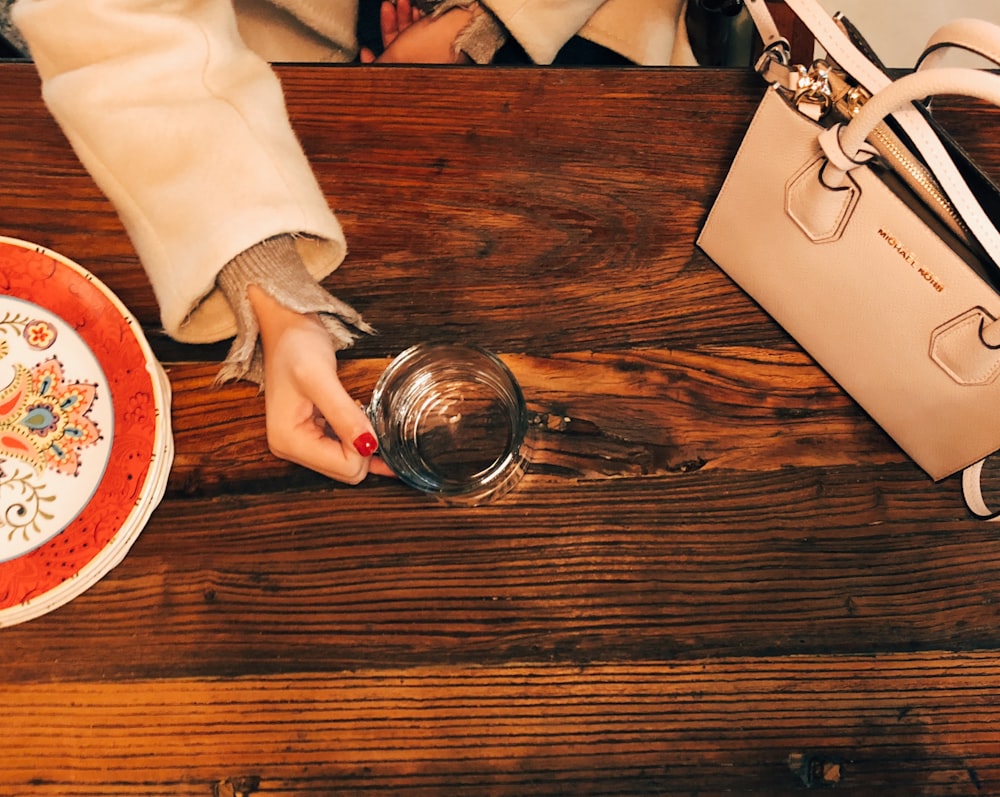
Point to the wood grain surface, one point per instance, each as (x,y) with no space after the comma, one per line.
(718,576)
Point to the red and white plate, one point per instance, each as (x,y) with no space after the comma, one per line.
(85,440)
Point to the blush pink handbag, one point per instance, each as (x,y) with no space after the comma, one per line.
(854,222)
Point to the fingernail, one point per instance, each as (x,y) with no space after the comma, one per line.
(366,444)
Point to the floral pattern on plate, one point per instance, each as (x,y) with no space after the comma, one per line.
(56,425)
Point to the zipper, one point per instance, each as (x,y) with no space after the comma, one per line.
(931,191)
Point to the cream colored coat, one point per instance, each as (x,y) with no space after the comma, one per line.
(183,126)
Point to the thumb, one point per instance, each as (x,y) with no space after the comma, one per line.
(349,422)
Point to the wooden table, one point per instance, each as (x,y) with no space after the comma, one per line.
(719,575)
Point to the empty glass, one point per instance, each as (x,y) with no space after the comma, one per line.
(451,421)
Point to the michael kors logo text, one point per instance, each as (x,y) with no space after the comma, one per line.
(911,260)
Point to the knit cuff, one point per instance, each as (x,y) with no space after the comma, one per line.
(276,268)
(482,35)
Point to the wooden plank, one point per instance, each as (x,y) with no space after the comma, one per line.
(800,38)
(710,563)
(915,724)
(640,413)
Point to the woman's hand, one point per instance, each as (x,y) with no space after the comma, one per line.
(304,400)
(411,38)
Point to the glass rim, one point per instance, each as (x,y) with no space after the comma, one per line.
(491,481)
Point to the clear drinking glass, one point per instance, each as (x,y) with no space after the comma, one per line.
(451,421)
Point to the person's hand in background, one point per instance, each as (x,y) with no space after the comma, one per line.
(409,37)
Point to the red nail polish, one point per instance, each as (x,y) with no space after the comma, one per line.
(366,444)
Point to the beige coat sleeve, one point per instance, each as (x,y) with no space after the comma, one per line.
(185,130)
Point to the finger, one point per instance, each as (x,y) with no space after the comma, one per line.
(304,439)
(367,56)
(388,22)
(377,465)
(349,423)
(312,449)
(404,14)
(379,468)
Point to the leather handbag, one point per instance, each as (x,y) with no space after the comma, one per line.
(860,227)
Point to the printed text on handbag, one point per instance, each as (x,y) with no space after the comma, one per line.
(910,260)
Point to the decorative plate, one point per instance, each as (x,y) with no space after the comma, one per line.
(85,442)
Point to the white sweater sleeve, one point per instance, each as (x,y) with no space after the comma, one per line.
(185,130)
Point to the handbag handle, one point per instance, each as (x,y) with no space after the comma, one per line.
(972,491)
(845,145)
(975,36)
